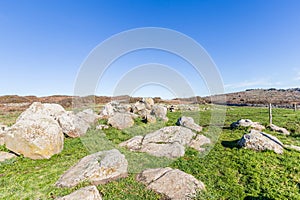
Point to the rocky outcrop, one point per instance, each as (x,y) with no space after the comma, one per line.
(159,112)
(97,168)
(278,129)
(188,122)
(86,193)
(260,141)
(173,183)
(167,142)
(6,156)
(35,139)
(121,121)
(247,123)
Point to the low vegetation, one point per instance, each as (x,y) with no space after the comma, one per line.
(227,171)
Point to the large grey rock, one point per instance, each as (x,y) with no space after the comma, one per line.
(86,193)
(248,123)
(173,183)
(73,125)
(35,139)
(199,141)
(121,121)
(167,142)
(6,156)
(260,141)
(98,168)
(279,129)
(38,110)
(149,102)
(114,107)
(159,112)
(188,122)
(89,116)
(169,150)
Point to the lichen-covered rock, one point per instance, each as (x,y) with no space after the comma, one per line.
(39,110)
(248,123)
(167,142)
(35,139)
(149,103)
(188,122)
(260,141)
(121,121)
(173,183)
(279,129)
(86,193)
(89,116)
(199,141)
(159,112)
(98,168)
(73,125)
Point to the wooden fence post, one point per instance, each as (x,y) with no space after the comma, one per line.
(295,107)
(270,113)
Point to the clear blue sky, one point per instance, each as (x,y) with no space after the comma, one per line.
(254,43)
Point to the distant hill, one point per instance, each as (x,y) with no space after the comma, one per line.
(250,97)
(261,97)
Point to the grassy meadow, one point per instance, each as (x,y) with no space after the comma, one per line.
(227,171)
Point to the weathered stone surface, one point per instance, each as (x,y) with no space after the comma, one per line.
(6,156)
(169,150)
(38,110)
(89,116)
(150,119)
(108,110)
(73,125)
(159,112)
(248,123)
(133,144)
(188,122)
(260,141)
(121,121)
(279,129)
(170,134)
(297,148)
(86,193)
(199,141)
(173,183)
(149,103)
(167,142)
(98,168)
(36,139)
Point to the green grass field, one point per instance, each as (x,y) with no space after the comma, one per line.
(227,171)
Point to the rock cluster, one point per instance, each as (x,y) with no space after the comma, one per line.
(122,116)
(167,142)
(39,131)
